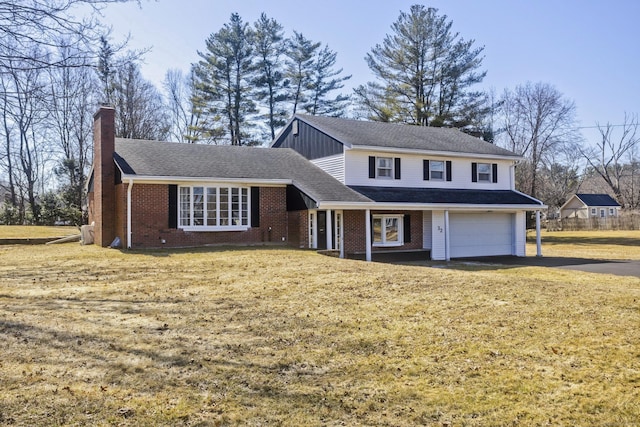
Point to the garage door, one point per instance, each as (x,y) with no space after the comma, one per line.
(480,234)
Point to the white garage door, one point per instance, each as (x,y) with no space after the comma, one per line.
(480,234)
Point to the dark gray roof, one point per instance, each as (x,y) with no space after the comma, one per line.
(445,196)
(166,159)
(394,135)
(597,199)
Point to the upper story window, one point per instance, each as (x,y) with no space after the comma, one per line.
(611,212)
(436,170)
(213,208)
(593,211)
(484,172)
(384,167)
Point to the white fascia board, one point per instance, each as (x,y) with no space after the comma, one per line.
(514,158)
(195,180)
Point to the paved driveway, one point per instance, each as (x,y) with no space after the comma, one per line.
(618,268)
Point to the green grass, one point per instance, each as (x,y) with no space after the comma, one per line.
(205,337)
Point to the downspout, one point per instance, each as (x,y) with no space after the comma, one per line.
(129,190)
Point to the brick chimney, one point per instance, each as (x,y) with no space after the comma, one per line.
(104,138)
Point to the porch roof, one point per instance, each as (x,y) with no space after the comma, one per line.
(447,196)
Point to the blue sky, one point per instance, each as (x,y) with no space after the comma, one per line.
(589,50)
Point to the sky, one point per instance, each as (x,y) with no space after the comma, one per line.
(589,50)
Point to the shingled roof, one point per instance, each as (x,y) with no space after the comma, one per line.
(597,199)
(446,196)
(353,133)
(154,159)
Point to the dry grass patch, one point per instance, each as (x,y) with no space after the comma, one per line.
(283,337)
(614,245)
(35,231)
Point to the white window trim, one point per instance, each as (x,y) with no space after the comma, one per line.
(593,211)
(384,243)
(205,227)
(391,169)
(490,174)
(431,170)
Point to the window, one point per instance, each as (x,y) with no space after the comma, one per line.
(593,211)
(436,170)
(384,167)
(387,230)
(213,208)
(611,212)
(484,172)
(602,213)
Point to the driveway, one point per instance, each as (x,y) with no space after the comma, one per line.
(618,268)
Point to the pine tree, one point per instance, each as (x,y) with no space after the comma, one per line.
(323,81)
(424,74)
(301,53)
(224,75)
(270,82)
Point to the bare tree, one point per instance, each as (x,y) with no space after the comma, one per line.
(538,122)
(49,25)
(184,115)
(613,156)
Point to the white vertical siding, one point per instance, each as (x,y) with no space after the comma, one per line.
(356,171)
(438,233)
(333,165)
(426,230)
(519,234)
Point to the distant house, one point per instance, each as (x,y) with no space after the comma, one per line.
(590,206)
(350,186)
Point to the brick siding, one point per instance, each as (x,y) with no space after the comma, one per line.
(355,229)
(150,221)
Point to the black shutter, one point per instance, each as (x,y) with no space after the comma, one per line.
(494,172)
(474,172)
(255,206)
(407,228)
(173,206)
(425,170)
(372,167)
(448,165)
(397,167)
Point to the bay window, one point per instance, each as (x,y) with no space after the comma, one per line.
(213,208)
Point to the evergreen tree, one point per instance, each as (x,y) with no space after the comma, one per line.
(301,53)
(270,82)
(224,75)
(323,81)
(424,74)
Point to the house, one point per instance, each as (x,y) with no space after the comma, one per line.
(354,187)
(590,206)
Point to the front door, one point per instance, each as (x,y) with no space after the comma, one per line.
(322,230)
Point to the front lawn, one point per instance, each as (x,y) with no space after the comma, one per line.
(35,231)
(203,337)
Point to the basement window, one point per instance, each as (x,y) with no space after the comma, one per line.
(387,230)
(203,208)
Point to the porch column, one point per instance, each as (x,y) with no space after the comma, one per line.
(329,231)
(538,238)
(447,255)
(367,238)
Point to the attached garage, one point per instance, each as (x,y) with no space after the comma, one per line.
(481,234)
